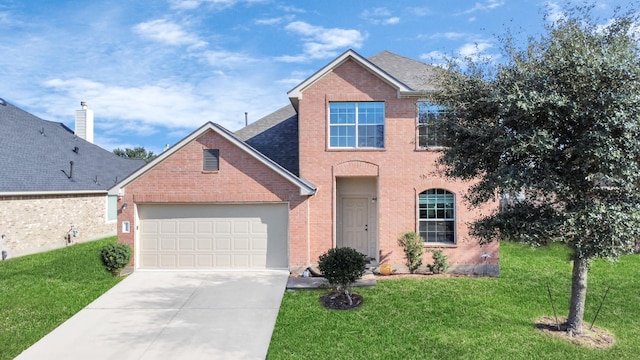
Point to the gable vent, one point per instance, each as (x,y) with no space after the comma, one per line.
(211,160)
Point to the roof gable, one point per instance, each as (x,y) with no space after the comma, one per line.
(306,188)
(295,94)
(276,136)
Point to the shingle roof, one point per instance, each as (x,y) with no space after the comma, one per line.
(413,73)
(35,156)
(276,136)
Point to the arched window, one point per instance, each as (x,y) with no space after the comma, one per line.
(436,209)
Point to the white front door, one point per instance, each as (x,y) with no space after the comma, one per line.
(355,225)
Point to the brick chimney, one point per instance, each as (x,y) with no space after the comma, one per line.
(84,123)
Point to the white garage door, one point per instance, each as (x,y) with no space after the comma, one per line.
(247,236)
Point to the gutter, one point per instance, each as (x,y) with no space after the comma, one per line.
(66,192)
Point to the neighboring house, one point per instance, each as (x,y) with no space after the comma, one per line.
(53,185)
(351,162)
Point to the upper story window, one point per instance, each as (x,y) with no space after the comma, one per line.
(211,160)
(430,117)
(356,125)
(437,216)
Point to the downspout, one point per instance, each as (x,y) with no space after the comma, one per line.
(309,231)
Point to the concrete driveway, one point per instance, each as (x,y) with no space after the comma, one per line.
(172,315)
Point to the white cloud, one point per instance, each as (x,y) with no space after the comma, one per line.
(554,12)
(5,18)
(165,106)
(291,9)
(391,21)
(217,4)
(476,51)
(434,57)
(275,20)
(167,32)
(320,42)
(379,16)
(450,35)
(420,11)
(227,59)
(486,6)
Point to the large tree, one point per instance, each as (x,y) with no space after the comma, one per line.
(135,153)
(557,127)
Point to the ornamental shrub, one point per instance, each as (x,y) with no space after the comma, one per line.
(440,264)
(115,257)
(342,267)
(412,245)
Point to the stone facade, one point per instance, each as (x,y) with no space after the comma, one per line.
(37,223)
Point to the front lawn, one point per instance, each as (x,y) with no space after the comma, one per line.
(41,291)
(468,318)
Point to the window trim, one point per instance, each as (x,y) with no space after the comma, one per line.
(356,126)
(440,110)
(452,220)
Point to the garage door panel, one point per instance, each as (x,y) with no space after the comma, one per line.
(240,244)
(259,244)
(169,261)
(186,260)
(219,236)
(149,244)
(186,244)
(205,228)
(168,244)
(241,227)
(222,244)
(223,227)
(168,227)
(186,227)
(205,244)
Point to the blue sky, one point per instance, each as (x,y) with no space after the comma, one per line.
(154,71)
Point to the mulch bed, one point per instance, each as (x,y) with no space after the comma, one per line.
(596,337)
(338,301)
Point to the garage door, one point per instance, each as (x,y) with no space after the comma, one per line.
(247,236)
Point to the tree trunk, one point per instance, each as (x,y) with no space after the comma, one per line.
(578,295)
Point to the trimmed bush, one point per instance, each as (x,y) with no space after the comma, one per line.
(412,245)
(342,267)
(115,257)
(440,263)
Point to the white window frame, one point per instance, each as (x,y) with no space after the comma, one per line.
(431,108)
(356,125)
(436,219)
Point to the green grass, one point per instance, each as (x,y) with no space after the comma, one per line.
(41,291)
(466,318)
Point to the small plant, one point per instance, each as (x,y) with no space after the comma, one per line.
(412,245)
(342,267)
(440,264)
(115,257)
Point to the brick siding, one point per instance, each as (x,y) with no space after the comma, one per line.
(402,170)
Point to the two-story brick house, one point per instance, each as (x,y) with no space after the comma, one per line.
(351,162)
